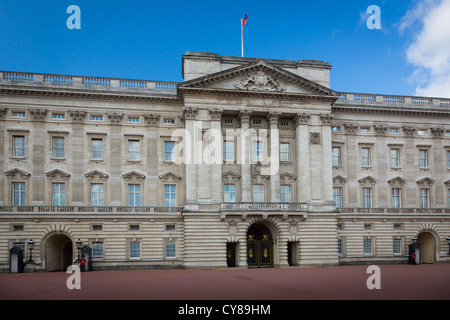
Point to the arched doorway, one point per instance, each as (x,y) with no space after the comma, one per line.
(427,247)
(259,247)
(58,252)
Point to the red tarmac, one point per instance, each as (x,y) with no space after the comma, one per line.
(398,282)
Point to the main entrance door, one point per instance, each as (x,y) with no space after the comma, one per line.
(58,253)
(427,247)
(259,247)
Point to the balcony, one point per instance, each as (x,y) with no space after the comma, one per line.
(89,209)
(394,210)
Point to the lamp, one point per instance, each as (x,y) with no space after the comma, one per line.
(78,243)
(30,244)
(415,239)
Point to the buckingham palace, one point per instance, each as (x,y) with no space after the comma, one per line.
(247,163)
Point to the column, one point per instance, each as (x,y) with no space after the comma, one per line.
(3,154)
(244,155)
(189,158)
(115,179)
(274,118)
(77,178)
(217,146)
(38,137)
(152,143)
(302,169)
(327,161)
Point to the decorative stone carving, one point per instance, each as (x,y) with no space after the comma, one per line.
(232,227)
(397,181)
(425,182)
(273,117)
(77,116)
(57,174)
(287,178)
(293,227)
(244,116)
(368,181)
(260,82)
(115,118)
(230,177)
(96,175)
(326,118)
(302,118)
(409,131)
(216,114)
(314,137)
(351,128)
(169,177)
(133,176)
(380,129)
(38,114)
(2,113)
(152,119)
(17,173)
(190,113)
(438,132)
(339,180)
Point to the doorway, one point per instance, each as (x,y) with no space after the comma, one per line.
(58,253)
(427,247)
(259,247)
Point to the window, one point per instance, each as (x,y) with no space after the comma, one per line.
(367,197)
(19,146)
(135,249)
(134,227)
(97,118)
(336,129)
(396,198)
(228,121)
(169,195)
(339,246)
(169,121)
(284,123)
(423,158)
(257,122)
(257,150)
(285,194)
(133,119)
(336,156)
(365,157)
(395,158)
(367,246)
(448,196)
(258,193)
(170,249)
(18,193)
(97,250)
(169,151)
(133,150)
(394,130)
(397,246)
(96,194)
(422,131)
(97,227)
(59,116)
(364,129)
(97,149)
(424,198)
(170,227)
(448,159)
(59,194)
(20,114)
(228,150)
(134,195)
(229,193)
(337,197)
(285,154)
(367,227)
(58,147)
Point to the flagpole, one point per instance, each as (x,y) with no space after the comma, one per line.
(242,39)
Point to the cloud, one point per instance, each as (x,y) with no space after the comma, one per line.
(429,50)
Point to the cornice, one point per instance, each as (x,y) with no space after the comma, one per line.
(391,110)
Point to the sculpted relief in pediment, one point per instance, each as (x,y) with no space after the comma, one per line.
(260,82)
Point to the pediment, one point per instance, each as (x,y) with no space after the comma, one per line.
(425,182)
(369,180)
(169,177)
(133,175)
(17,173)
(258,78)
(287,177)
(96,174)
(230,177)
(397,181)
(339,179)
(56,173)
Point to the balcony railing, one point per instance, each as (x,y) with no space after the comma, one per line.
(67,81)
(395,210)
(271,206)
(412,101)
(89,209)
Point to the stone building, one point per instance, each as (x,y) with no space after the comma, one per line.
(247,163)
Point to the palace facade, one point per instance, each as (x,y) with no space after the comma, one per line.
(247,163)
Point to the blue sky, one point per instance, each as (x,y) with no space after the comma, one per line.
(146,39)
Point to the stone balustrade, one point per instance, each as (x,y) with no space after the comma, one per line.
(347,97)
(88,209)
(394,210)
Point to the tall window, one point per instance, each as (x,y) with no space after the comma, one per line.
(97,250)
(423,158)
(169,195)
(229,193)
(59,194)
(365,157)
(258,193)
(169,151)
(19,146)
(58,147)
(448,159)
(395,158)
(367,197)
(257,150)
(97,149)
(339,246)
(424,198)
(397,246)
(336,156)
(285,154)
(135,249)
(134,195)
(228,150)
(285,194)
(396,198)
(337,197)
(448,196)
(170,249)
(133,150)
(18,193)
(367,246)
(97,194)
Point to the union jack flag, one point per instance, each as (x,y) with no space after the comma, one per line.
(244,21)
